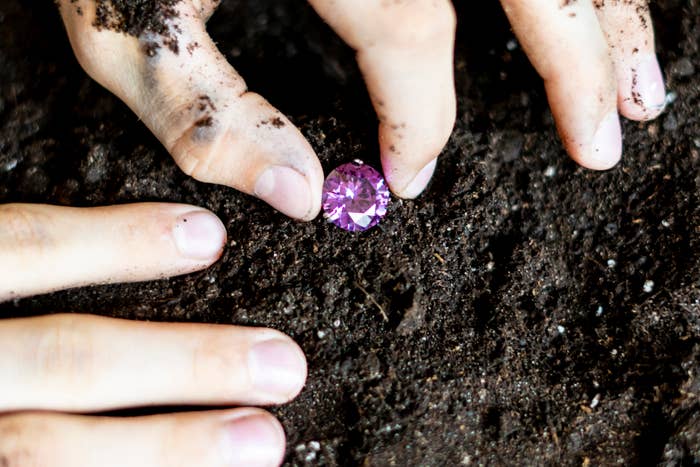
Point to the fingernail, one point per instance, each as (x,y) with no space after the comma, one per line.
(648,89)
(421,181)
(199,235)
(606,147)
(278,368)
(286,190)
(255,440)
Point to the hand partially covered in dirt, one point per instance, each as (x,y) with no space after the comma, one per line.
(53,367)
(596,57)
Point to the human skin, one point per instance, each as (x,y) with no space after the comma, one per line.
(82,364)
(596,58)
(56,369)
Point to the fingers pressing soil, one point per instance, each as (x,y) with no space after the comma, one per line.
(142,19)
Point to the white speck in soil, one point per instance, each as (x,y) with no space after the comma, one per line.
(561,329)
(8,166)
(321,334)
(612,263)
(648,286)
(550,171)
(670,98)
(599,311)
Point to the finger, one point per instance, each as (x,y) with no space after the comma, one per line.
(88,363)
(46,248)
(405,51)
(242,437)
(628,28)
(178,83)
(566,45)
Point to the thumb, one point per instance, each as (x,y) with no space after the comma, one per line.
(174,78)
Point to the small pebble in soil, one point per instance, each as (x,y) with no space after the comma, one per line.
(682,67)
(670,122)
(355,197)
(612,263)
(648,286)
(9,165)
(311,449)
(671,97)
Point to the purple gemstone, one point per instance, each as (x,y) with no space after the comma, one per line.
(355,197)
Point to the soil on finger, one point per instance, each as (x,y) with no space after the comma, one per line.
(522,311)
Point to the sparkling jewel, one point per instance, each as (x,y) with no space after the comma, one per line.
(355,197)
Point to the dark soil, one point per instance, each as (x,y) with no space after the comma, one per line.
(523,326)
(148,20)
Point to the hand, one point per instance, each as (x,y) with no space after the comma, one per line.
(172,75)
(596,58)
(75,364)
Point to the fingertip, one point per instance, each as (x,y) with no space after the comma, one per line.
(278,367)
(605,150)
(253,437)
(289,192)
(418,184)
(642,91)
(199,235)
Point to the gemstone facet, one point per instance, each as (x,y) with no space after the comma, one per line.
(355,197)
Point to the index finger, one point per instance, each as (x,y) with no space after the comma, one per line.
(406,52)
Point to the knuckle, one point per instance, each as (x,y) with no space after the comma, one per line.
(195,131)
(63,353)
(419,23)
(21,227)
(20,441)
(192,158)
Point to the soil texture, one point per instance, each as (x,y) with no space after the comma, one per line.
(536,312)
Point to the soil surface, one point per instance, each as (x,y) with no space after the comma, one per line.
(537,313)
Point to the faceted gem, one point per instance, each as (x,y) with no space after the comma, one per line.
(355,197)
